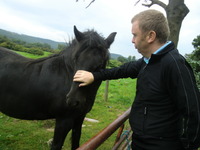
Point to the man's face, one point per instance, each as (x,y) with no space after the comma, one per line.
(139,38)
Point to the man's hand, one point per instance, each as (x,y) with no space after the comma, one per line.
(84,77)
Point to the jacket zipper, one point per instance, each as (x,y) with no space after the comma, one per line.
(145,110)
(142,70)
(144,121)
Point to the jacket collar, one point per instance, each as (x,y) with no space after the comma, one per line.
(160,52)
(169,47)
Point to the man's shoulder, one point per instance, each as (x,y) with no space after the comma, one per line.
(174,59)
(172,56)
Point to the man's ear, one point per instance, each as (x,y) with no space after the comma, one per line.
(151,36)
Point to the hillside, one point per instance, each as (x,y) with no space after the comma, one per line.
(31,39)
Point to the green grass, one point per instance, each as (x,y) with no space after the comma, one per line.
(32,55)
(33,135)
(22,135)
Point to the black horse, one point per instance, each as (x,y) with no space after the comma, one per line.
(44,89)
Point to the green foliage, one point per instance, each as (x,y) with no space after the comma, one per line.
(29,39)
(196,42)
(194,59)
(131,58)
(61,46)
(125,60)
(22,46)
(113,63)
(122,59)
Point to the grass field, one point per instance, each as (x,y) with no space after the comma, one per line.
(32,55)
(33,135)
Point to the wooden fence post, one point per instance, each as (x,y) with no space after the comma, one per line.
(106,91)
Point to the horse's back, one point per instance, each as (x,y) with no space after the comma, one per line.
(8,54)
(10,61)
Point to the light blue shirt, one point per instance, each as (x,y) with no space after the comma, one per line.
(146,60)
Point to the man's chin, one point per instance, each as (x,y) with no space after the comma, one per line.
(138,51)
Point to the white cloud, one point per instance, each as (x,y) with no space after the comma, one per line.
(55,20)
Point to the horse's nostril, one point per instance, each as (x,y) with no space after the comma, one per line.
(72,102)
(76,103)
(67,97)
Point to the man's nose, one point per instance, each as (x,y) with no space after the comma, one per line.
(133,40)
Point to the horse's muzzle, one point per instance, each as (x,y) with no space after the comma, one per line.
(72,102)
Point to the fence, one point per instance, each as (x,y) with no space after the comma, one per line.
(98,139)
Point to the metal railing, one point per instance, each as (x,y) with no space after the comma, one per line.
(99,138)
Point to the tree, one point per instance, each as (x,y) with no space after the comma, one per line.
(122,59)
(113,63)
(176,10)
(61,47)
(194,59)
(131,58)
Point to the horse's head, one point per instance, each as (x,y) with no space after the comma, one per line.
(90,54)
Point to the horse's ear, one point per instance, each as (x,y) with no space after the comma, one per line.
(109,40)
(79,35)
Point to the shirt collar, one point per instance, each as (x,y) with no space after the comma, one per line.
(146,60)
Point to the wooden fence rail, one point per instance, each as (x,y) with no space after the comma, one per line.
(98,139)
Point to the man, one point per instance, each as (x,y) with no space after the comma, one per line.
(165,114)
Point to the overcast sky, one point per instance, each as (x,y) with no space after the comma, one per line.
(54,19)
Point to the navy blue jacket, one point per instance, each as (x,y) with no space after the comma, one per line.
(167,98)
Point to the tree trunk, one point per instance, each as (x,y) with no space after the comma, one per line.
(176,11)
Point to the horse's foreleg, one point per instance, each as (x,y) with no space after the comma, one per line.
(76,132)
(63,126)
